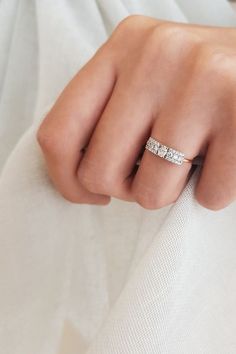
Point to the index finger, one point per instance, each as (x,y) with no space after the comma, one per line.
(68,126)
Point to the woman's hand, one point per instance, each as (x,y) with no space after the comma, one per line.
(172,81)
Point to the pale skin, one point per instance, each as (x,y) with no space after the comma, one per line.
(175,82)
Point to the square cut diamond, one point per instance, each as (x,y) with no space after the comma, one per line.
(169,154)
(152,145)
(174,156)
(162,151)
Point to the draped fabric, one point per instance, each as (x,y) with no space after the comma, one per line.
(91,279)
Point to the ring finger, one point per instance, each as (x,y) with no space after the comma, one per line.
(159,182)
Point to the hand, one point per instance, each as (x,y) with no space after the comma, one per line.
(172,81)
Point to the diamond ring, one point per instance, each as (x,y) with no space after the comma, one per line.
(166,152)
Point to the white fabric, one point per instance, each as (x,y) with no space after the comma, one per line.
(91,279)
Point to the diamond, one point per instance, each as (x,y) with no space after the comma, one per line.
(155,148)
(169,154)
(162,151)
(152,145)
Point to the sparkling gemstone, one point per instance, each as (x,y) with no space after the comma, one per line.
(152,145)
(169,154)
(162,151)
(155,147)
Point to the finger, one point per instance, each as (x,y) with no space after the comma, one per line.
(107,166)
(217,184)
(68,126)
(159,182)
(127,119)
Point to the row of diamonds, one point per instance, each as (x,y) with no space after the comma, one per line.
(174,156)
(164,151)
(152,145)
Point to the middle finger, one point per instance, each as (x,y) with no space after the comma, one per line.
(110,157)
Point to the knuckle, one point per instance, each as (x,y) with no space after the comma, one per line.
(171,42)
(124,29)
(41,136)
(217,65)
(128,23)
(175,36)
(133,29)
(129,20)
(124,32)
(52,142)
(169,31)
(46,139)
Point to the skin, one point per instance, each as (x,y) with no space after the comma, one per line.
(173,81)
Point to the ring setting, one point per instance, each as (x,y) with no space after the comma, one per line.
(165,152)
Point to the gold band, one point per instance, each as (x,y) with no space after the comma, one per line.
(187,160)
(168,153)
